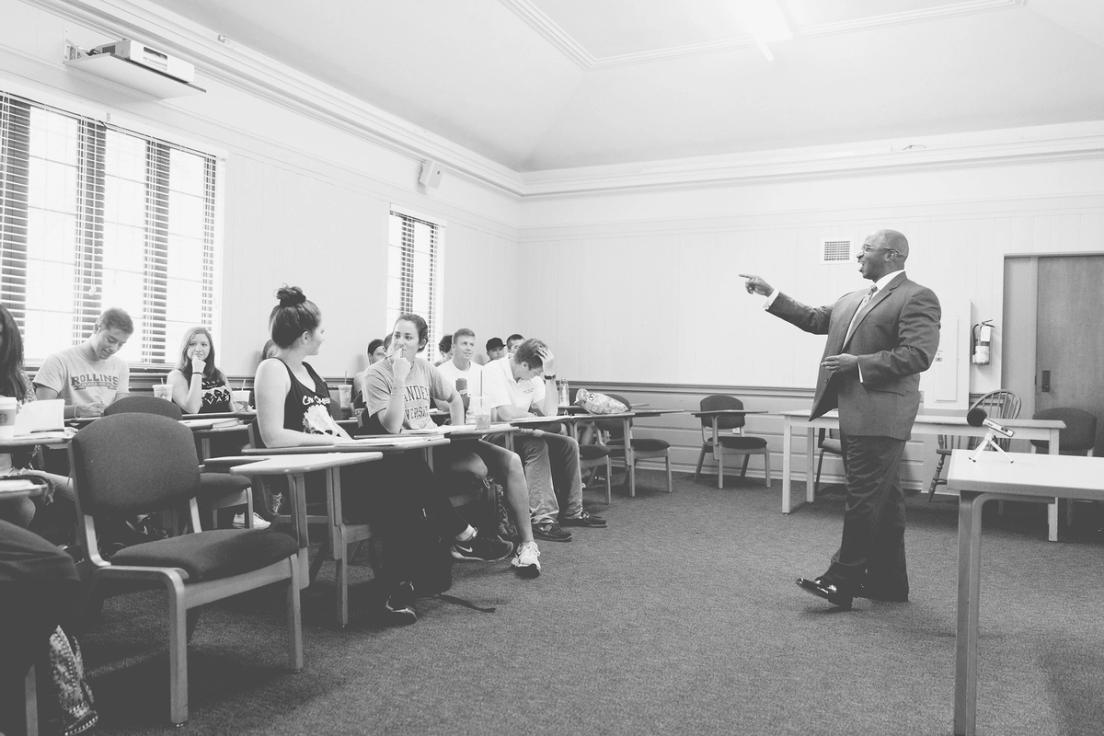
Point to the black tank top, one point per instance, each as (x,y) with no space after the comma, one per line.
(306,410)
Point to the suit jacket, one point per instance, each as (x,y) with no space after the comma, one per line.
(895,340)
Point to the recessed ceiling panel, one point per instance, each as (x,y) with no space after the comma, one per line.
(617,27)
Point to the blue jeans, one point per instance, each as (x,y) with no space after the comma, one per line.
(551,464)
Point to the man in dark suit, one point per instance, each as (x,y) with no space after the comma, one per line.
(879,341)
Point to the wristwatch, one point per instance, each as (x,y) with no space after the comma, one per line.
(550,378)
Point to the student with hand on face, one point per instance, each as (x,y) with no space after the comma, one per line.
(399,393)
(89,376)
(398,494)
(197,385)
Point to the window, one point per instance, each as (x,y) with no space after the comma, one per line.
(414,273)
(95,216)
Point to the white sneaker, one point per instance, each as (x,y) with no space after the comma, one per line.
(526,560)
(258,522)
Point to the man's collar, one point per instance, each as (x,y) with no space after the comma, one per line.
(884,281)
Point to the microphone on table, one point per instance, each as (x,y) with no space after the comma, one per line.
(462,389)
(977,417)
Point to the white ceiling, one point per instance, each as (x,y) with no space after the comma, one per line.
(550,84)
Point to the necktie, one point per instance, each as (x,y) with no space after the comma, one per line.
(862,305)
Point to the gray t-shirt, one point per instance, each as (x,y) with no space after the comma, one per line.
(423,386)
(82,379)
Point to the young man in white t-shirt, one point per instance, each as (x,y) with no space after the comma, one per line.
(521,385)
(89,376)
(462,372)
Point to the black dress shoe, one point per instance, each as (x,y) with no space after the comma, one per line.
(835,593)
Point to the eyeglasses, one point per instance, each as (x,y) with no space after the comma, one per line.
(867,250)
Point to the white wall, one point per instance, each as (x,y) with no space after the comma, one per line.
(636,285)
(653,274)
(305,200)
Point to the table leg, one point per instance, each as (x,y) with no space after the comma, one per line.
(969,588)
(787,458)
(630,459)
(1052,508)
(810,463)
(297,490)
(718,453)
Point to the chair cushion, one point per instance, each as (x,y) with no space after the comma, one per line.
(744,443)
(650,444)
(220,553)
(593,452)
(216,485)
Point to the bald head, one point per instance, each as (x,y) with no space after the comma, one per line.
(893,240)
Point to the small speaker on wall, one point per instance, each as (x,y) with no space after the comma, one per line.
(430,174)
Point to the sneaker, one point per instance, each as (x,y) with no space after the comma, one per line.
(526,560)
(480,549)
(585,519)
(550,531)
(398,609)
(258,522)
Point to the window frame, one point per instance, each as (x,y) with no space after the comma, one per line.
(435,319)
(211,157)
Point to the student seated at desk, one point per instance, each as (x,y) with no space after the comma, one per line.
(398,493)
(399,392)
(13,382)
(89,376)
(513,390)
(197,385)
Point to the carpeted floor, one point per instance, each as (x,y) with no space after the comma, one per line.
(682,617)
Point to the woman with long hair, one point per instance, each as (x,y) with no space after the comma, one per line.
(398,494)
(35,568)
(14,382)
(196,383)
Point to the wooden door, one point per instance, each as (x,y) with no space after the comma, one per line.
(1069,341)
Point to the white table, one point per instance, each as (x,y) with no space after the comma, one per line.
(1029,477)
(1026,429)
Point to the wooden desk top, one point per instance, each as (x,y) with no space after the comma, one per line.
(359,445)
(1052,476)
(721,412)
(60,437)
(299,463)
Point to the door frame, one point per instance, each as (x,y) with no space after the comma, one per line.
(1019,322)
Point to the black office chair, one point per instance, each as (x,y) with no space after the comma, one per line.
(734,440)
(217,490)
(130,464)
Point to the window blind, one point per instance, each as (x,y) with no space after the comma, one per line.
(413,283)
(94,216)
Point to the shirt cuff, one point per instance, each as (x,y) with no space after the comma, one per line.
(770,299)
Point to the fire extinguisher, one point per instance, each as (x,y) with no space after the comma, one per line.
(981,337)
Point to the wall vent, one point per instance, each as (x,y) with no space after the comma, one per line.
(836,251)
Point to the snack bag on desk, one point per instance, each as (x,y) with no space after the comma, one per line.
(597,403)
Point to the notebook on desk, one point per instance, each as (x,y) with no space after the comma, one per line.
(40,416)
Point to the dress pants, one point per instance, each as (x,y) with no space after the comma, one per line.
(873,547)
